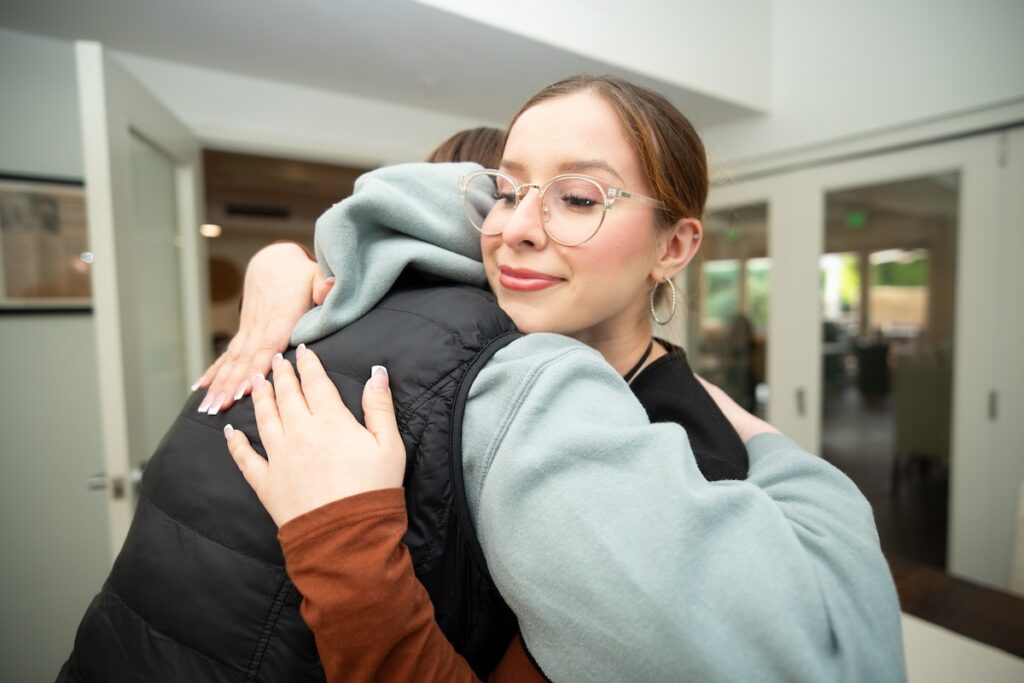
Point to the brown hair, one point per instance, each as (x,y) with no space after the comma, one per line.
(670,151)
(482,145)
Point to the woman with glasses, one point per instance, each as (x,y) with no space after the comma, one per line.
(620,560)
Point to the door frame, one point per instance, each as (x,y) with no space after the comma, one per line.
(114,106)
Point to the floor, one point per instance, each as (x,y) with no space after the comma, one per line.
(911,512)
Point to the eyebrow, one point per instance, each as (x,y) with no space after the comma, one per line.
(569,166)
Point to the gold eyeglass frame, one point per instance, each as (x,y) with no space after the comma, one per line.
(610,195)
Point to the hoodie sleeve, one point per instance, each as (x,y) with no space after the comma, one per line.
(409,215)
(623,563)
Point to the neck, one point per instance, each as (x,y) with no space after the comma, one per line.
(622,350)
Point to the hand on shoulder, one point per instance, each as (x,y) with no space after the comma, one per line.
(317,452)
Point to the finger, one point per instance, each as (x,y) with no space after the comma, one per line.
(273,341)
(208,374)
(262,358)
(237,377)
(322,396)
(219,392)
(322,286)
(205,381)
(268,420)
(255,357)
(291,403)
(378,407)
(250,463)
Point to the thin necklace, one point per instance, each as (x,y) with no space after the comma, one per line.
(631,375)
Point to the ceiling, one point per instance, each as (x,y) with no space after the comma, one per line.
(393,50)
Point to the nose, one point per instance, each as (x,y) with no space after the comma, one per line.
(524,228)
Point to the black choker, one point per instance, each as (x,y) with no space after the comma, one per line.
(629,376)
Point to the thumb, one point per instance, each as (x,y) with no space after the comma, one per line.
(322,287)
(378,408)
(251,463)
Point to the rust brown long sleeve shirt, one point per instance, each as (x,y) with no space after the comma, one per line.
(371,617)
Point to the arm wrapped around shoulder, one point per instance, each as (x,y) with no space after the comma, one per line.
(623,563)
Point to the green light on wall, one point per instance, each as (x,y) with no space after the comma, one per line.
(855,220)
(734,234)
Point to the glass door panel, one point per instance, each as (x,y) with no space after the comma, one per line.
(887,288)
(158,330)
(727,333)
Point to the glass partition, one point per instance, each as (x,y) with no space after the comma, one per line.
(728,297)
(887,305)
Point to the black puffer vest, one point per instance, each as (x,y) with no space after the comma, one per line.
(199,591)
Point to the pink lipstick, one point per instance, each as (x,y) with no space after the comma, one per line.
(524,280)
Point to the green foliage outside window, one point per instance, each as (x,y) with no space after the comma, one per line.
(910,273)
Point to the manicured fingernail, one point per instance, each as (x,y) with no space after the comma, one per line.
(241,390)
(276,360)
(206,403)
(379,378)
(299,350)
(257,381)
(195,385)
(331,280)
(228,429)
(215,408)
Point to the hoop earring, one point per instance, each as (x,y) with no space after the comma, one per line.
(654,292)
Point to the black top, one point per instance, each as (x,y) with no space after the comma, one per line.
(670,393)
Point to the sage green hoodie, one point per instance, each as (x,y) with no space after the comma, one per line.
(620,560)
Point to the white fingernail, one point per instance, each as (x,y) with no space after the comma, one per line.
(216,406)
(379,377)
(275,360)
(206,403)
(228,429)
(241,390)
(299,350)
(195,385)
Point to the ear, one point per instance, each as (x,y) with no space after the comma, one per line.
(677,247)
(321,287)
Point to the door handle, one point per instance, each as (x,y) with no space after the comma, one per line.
(100,481)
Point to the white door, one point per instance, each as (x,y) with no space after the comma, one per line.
(979,179)
(143,197)
(898,203)
(1006,409)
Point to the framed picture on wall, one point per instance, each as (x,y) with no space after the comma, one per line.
(44,251)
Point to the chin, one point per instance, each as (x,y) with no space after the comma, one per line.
(532,321)
(525,317)
(533,314)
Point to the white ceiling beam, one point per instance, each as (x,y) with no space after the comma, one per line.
(721,50)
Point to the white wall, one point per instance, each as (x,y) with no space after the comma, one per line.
(846,70)
(240,113)
(53,529)
(39,134)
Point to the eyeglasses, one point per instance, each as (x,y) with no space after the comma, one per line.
(572,207)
